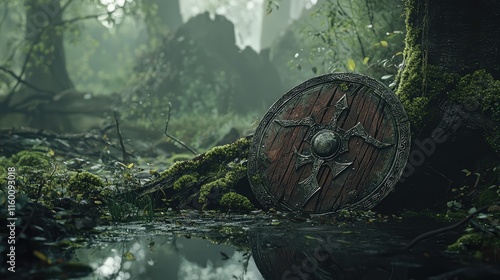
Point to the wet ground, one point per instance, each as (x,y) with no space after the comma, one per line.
(191,245)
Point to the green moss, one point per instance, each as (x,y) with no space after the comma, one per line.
(480,88)
(206,189)
(31,159)
(219,163)
(423,87)
(179,157)
(235,201)
(33,168)
(219,169)
(3,175)
(474,242)
(211,160)
(258,179)
(223,184)
(419,84)
(410,79)
(185,180)
(343,87)
(86,185)
(486,196)
(6,162)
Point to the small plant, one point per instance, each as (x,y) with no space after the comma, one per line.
(483,228)
(454,204)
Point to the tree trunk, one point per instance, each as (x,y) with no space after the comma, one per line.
(446,41)
(47,98)
(47,62)
(462,36)
(450,89)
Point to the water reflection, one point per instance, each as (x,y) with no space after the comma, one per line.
(250,249)
(146,254)
(361,251)
(327,253)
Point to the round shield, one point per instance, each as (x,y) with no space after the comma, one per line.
(333,142)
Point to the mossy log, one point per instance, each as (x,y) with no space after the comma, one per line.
(216,179)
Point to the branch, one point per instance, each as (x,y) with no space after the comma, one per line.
(23,69)
(25,63)
(65,6)
(18,78)
(119,132)
(15,48)
(167,121)
(355,28)
(80,18)
(438,231)
(193,151)
(30,51)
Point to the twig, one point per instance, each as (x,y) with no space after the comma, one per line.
(39,191)
(442,175)
(192,150)
(355,28)
(4,16)
(167,121)
(125,155)
(65,6)
(23,69)
(80,18)
(448,228)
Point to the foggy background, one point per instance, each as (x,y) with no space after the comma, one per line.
(205,70)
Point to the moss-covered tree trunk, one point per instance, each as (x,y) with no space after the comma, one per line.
(450,89)
(449,43)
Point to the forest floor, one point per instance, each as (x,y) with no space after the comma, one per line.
(72,218)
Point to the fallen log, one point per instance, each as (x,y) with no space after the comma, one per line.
(86,144)
(215,179)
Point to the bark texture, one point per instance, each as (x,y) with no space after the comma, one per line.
(44,34)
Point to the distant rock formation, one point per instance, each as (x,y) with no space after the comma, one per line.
(206,68)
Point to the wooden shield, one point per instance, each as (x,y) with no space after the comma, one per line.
(333,142)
